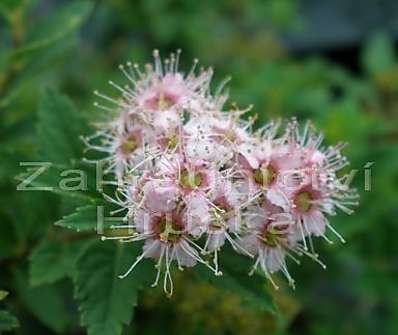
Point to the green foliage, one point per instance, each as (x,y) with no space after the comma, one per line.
(3,294)
(7,321)
(8,8)
(59,129)
(46,303)
(379,54)
(74,47)
(85,219)
(54,260)
(235,279)
(36,44)
(46,33)
(106,302)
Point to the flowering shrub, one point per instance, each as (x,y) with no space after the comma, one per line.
(192,176)
(58,277)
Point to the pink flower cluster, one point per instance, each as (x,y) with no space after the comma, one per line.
(193,177)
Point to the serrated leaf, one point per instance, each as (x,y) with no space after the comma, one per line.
(59,129)
(106,302)
(84,219)
(87,218)
(7,321)
(235,279)
(54,260)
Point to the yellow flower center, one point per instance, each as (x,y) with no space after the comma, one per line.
(164,102)
(264,175)
(168,230)
(190,179)
(303,201)
(128,146)
(172,141)
(270,238)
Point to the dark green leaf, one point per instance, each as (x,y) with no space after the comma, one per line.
(106,302)
(59,129)
(235,279)
(54,260)
(45,302)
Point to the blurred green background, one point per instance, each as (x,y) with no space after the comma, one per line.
(286,57)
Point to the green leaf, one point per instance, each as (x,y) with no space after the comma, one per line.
(87,218)
(54,260)
(53,29)
(59,129)
(84,219)
(8,239)
(378,55)
(44,40)
(7,321)
(46,303)
(235,279)
(52,176)
(20,226)
(106,302)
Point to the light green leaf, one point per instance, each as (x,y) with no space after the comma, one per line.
(106,302)
(54,260)
(7,321)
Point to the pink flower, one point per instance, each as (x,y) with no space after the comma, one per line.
(160,195)
(167,239)
(312,205)
(269,232)
(191,174)
(162,93)
(188,174)
(264,171)
(225,210)
(126,143)
(216,136)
